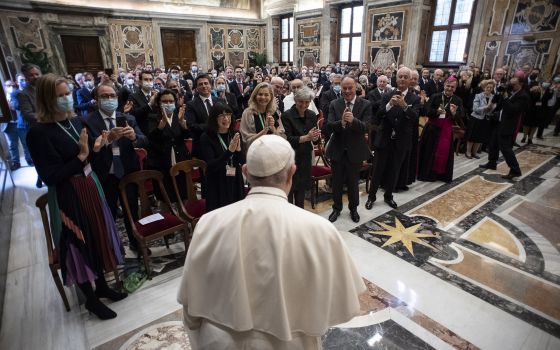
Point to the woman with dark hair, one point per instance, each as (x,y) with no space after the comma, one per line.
(221,150)
(84,232)
(167,131)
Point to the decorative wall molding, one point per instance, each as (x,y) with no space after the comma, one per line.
(498,19)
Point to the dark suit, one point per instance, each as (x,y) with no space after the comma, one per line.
(325,101)
(423,83)
(375,97)
(512,109)
(84,104)
(347,148)
(109,181)
(433,88)
(242,99)
(140,109)
(197,117)
(393,140)
(231,101)
(124,94)
(159,152)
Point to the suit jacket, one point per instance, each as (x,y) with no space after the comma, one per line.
(26,100)
(433,88)
(161,142)
(232,103)
(95,125)
(512,109)
(398,120)
(140,110)
(242,99)
(325,101)
(423,84)
(197,118)
(351,139)
(124,94)
(375,97)
(84,104)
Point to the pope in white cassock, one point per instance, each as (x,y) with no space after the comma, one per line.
(262,273)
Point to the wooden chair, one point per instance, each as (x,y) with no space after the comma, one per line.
(192,207)
(196,173)
(171,222)
(319,172)
(142,155)
(237,124)
(54,264)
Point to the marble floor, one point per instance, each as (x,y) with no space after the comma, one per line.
(474,264)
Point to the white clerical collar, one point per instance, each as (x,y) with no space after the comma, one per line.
(273,191)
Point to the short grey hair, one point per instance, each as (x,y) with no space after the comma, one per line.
(304,94)
(275,179)
(336,76)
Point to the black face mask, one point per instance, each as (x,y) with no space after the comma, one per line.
(157,87)
(533,76)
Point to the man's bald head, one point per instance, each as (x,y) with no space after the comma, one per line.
(403,78)
(295,85)
(278,84)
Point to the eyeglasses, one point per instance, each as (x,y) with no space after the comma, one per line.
(225,115)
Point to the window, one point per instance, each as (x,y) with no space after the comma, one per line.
(287,40)
(450,31)
(350,42)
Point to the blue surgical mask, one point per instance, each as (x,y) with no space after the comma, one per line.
(194,69)
(337,89)
(157,86)
(221,87)
(169,107)
(65,103)
(109,104)
(89,84)
(175,76)
(71,86)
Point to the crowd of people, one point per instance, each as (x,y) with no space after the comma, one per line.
(81,132)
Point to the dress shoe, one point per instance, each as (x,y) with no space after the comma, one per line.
(100,310)
(540,138)
(369,202)
(488,166)
(391,202)
(39,183)
(334,215)
(475,156)
(15,166)
(110,294)
(354,215)
(517,145)
(403,188)
(524,139)
(530,142)
(511,175)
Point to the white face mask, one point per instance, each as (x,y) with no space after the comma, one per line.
(130,82)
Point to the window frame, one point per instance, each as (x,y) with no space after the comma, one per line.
(350,35)
(448,28)
(288,40)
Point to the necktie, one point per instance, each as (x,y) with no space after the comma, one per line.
(349,106)
(118,168)
(240,85)
(208,106)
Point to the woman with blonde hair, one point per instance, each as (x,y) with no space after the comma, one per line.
(261,116)
(480,120)
(83,230)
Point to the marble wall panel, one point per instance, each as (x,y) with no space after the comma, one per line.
(387,35)
(231,44)
(388,26)
(334,15)
(308,57)
(535,16)
(519,53)
(490,55)
(309,33)
(498,19)
(132,43)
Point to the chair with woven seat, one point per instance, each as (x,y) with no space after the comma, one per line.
(170,223)
(192,207)
(54,264)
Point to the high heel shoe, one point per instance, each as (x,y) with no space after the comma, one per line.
(110,294)
(100,310)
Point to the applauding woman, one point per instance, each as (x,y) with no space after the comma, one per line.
(83,230)
(300,124)
(221,150)
(167,133)
(260,117)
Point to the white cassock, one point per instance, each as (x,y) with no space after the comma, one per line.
(289,102)
(264,274)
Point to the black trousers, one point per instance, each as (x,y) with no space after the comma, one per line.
(112,195)
(345,172)
(386,168)
(493,144)
(297,197)
(505,143)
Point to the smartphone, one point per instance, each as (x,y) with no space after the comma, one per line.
(121,122)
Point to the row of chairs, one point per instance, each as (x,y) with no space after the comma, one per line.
(190,211)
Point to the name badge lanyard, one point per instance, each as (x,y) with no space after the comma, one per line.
(261,120)
(224,145)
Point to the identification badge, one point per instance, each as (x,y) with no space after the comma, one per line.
(116,151)
(87,169)
(442,116)
(230,171)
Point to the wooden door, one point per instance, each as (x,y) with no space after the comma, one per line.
(83,54)
(178,47)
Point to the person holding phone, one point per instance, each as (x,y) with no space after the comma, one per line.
(220,148)
(301,128)
(167,133)
(118,158)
